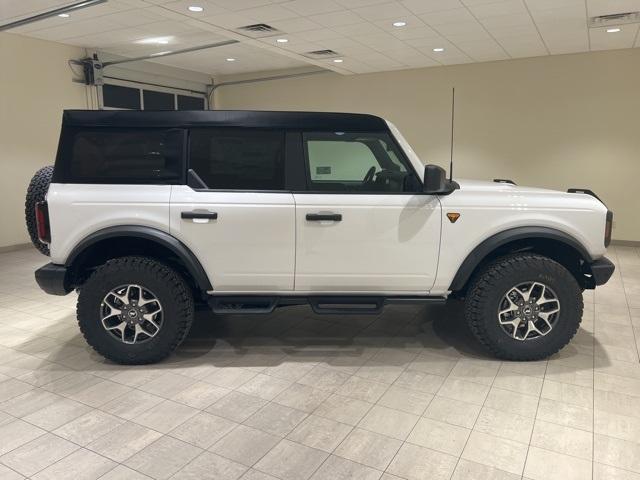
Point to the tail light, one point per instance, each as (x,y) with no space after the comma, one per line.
(42,222)
(608,227)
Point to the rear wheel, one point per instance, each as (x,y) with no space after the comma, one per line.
(36,192)
(524,307)
(135,310)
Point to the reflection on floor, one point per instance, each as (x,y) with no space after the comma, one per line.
(293,395)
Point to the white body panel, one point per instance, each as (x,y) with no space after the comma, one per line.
(250,247)
(76,211)
(384,243)
(487,208)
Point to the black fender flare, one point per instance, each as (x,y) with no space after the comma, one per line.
(186,256)
(480,252)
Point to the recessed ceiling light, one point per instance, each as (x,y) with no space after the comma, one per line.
(399,24)
(338,60)
(439,49)
(195,8)
(64,15)
(231,59)
(282,40)
(613,30)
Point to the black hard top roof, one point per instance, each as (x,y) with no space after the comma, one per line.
(225,118)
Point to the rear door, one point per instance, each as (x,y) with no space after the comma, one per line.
(241,222)
(363,224)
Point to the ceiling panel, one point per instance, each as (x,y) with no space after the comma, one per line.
(362,32)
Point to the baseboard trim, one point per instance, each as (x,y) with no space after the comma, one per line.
(13,248)
(626,243)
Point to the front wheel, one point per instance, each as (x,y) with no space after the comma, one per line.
(524,307)
(135,310)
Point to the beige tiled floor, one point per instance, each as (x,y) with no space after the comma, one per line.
(292,396)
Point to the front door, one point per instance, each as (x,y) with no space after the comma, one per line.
(363,225)
(241,223)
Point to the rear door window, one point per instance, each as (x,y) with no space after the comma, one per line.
(143,156)
(238,158)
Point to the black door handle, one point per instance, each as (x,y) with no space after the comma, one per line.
(187,215)
(318,217)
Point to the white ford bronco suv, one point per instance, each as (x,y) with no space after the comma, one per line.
(147,213)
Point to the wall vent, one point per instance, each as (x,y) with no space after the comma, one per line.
(327,53)
(614,19)
(258,30)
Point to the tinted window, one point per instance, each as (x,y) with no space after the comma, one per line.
(238,159)
(115,96)
(190,103)
(361,162)
(126,156)
(158,100)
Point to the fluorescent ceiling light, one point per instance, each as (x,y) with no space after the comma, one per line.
(613,30)
(282,40)
(158,40)
(195,8)
(399,24)
(338,60)
(231,59)
(439,49)
(51,13)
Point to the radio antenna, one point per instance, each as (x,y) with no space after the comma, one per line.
(453,111)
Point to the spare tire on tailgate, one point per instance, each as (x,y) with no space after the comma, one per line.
(37,191)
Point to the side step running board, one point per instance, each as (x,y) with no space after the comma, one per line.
(346,304)
(240,304)
(327,305)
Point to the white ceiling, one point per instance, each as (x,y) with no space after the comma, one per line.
(360,30)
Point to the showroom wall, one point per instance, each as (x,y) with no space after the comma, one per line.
(35,86)
(558,122)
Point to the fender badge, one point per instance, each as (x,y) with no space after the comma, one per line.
(453,216)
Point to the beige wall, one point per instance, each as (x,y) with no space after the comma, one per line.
(558,122)
(35,86)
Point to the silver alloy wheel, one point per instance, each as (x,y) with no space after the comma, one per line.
(528,310)
(131,313)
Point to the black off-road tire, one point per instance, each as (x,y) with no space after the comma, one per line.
(169,288)
(489,286)
(36,192)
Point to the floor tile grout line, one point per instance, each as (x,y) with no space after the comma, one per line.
(633,332)
(80,447)
(86,447)
(535,418)
(308,414)
(373,404)
(474,423)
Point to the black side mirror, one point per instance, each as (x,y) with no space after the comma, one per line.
(436,182)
